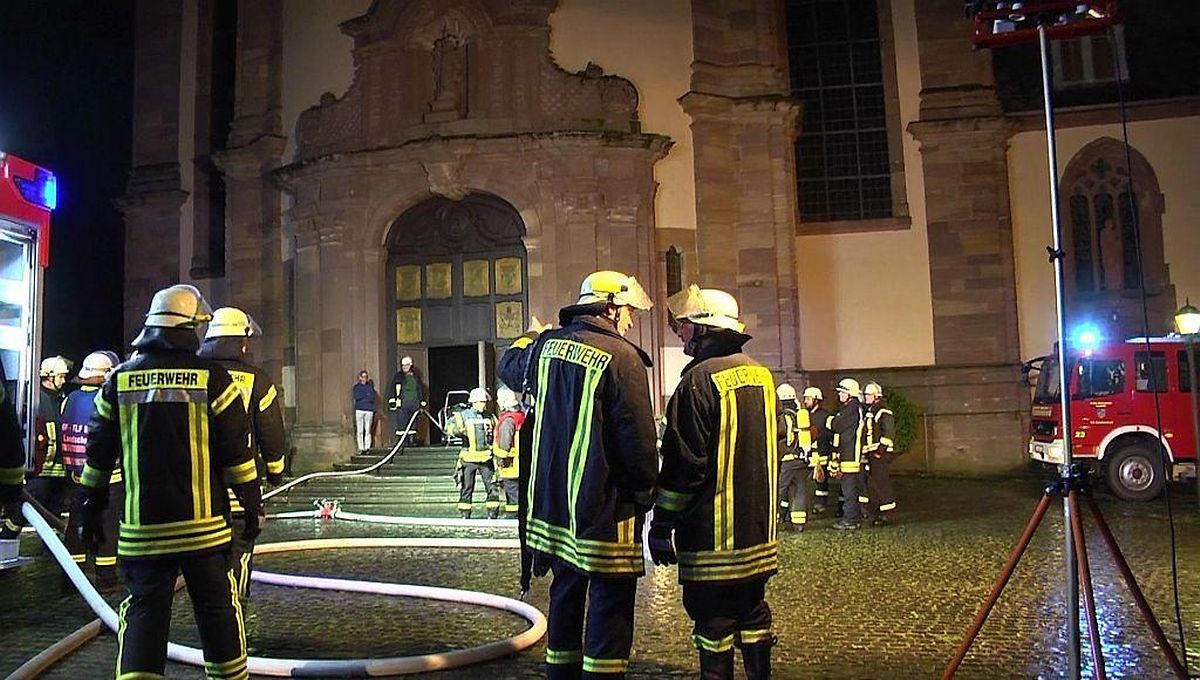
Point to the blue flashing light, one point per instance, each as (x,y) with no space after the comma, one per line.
(1086,337)
(42,190)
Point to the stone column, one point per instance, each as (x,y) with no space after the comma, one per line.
(744,127)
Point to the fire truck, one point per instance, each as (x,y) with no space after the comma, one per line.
(28,194)
(1115,423)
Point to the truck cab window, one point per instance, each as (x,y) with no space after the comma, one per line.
(1147,381)
(1100,377)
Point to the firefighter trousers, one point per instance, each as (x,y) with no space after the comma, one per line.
(146,615)
(106,554)
(50,493)
(728,614)
(590,624)
(853,491)
(512,490)
(879,486)
(821,489)
(241,554)
(793,491)
(467,490)
(400,422)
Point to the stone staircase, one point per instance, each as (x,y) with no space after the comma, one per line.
(417,482)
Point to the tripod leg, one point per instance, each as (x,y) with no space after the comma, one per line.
(1002,581)
(1131,582)
(1085,579)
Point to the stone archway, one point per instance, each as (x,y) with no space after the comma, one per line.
(457,281)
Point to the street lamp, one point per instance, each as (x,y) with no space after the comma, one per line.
(1187,322)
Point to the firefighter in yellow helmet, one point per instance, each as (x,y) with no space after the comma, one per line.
(477,427)
(506,448)
(50,485)
(151,416)
(848,426)
(717,492)
(794,432)
(880,450)
(227,342)
(73,428)
(592,469)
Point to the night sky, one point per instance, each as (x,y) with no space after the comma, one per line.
(65,103)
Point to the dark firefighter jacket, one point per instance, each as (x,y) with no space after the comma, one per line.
(847,426)
(794,433)
(507,446)
(718,486)
(261,399)
(177,424)
(593,463)
(73,428)
(821,436)
(48,412)
(476,429)
(12,449)
(881,429)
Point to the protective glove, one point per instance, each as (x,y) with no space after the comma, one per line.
(253,525)
(91,521)
(393,404)
(662,550)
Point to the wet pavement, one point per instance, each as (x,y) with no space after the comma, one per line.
(888,602)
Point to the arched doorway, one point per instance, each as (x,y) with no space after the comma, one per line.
(458,281)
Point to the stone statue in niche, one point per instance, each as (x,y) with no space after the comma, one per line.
(449,79)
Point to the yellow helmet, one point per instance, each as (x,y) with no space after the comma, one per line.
(814,392)
(849,386)
(231,322)
(613,287)
(873,389)
(785,392)
(55,365)
(178,306)
(706,307)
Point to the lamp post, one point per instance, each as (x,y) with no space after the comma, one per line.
(1187,322)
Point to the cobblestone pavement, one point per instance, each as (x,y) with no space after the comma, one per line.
(878,603)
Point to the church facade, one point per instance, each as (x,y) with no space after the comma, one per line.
(373,180)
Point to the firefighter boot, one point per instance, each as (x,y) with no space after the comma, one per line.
(466,514)
(716,665)
(493,513)
(757,660)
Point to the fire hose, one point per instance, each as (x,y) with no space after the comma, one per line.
(280,667)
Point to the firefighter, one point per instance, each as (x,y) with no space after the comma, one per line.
(818,460)
(12,463)
(592,470)
(794,433)
(49,486)
(476,426)
(881,450)
(848,426)
(408,397)
(76,413)
(177,425)
(506,448)
(717,491)
(227,341)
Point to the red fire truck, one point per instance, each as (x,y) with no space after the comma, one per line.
(1114,421)
(28,194)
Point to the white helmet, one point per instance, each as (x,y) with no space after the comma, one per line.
(478,394)
(707,307)
(506,399)
(785,392)
(406,361)
(178,306)
(98,365)
(873,389)
(849,386)
(231,322)
(55,365)
(814,392)
(615,287)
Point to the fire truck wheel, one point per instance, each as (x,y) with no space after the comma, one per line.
(1135,473)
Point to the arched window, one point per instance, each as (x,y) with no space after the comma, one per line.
(1105,209)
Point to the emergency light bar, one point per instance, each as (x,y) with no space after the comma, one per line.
(42,190)
(997,24)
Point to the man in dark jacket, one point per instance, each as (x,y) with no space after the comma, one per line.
(717,492)
(592,471)
(12,462)
(363,400)
(226,341)
(848,426)
(408,397)
(49,486)
(177,425)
